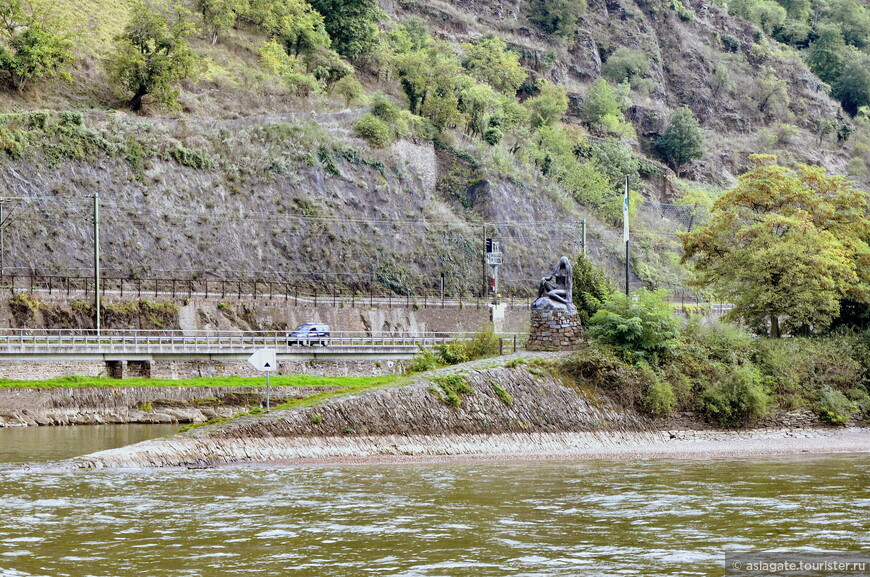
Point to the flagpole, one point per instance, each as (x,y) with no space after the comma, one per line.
(625,233)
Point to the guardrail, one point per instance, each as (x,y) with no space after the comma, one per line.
(38,341)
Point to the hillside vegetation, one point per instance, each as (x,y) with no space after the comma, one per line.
(342,141)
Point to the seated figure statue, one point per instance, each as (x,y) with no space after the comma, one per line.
(554,291)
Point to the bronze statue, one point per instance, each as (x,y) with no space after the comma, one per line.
(554,291)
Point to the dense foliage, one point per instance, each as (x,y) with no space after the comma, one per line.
(152,55)
(32,44)
(720,372)
(785,247)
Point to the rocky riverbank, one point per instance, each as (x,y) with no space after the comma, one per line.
(518,411)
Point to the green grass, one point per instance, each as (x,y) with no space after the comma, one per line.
(344,383)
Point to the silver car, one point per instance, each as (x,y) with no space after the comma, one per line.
(308,335)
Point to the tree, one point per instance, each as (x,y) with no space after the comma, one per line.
(785,247)
(300,28)
(556,16)
(152,55)
(625,65)
(827,55)
(32,45)
(351,24)
(590,287)
(852,87)
(682,141)
(489,61)
(603,104)
(218,15)
(548,106)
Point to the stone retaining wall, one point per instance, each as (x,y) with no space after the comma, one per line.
(554,331)
(90,406)
(183,369)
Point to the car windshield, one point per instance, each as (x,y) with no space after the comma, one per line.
(305,328)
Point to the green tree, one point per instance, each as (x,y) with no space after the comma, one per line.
(152,55)
(785,247)
(682,141)
(352,25)
(556,16)
(489,61)
(274,59)
(852,87)
(432,80)
(603,106)
(625,65)
(827,55)
(32,44)
(218,16)
(590,288)
(299,26)
(548,106)
(642,327)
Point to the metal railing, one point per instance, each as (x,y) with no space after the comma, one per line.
(295,293)
(35,341)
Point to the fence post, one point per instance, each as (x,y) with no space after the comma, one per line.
(240,290)
(500,346)
(139,288)
(295,295)
(315,297)
(515,343)
(270,290)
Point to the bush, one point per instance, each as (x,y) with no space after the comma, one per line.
(642,326)
(374,131)
(659,399)
(425,360)
(683,140)
(590,287)
(737,399)
(625,65)
(833,407)
(556,16)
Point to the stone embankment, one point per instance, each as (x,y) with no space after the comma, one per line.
(503,408)
(93,406)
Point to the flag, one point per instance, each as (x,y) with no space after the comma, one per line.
(625,214)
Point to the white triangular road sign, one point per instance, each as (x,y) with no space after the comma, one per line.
(264,360)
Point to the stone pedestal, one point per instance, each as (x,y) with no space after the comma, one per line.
(554,331)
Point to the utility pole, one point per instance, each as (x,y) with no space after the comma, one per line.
(97,258)
(625,233)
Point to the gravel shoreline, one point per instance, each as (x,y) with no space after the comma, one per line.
(673,445)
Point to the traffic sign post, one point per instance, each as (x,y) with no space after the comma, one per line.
(264,361)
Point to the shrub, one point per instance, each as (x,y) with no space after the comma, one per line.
(556,16)
(683,140)
(738,398)
(625,65)
(659,399)
(833,407)
(642,326)
(590,287)
(425,360)
(374,131)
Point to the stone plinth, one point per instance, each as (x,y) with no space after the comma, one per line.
(554,331)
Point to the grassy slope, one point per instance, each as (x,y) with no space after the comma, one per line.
(346,383)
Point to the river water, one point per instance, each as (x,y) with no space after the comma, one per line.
(654,517)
